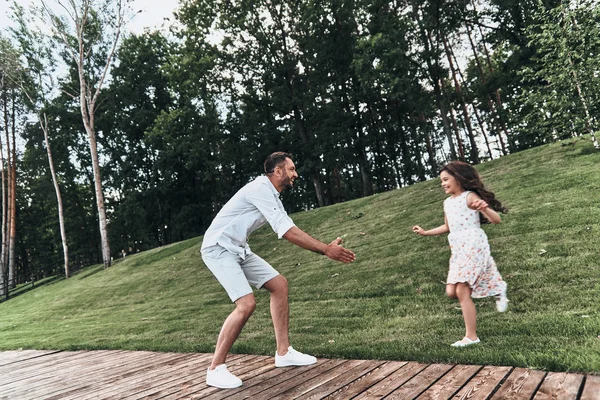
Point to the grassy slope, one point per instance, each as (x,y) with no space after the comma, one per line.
(390,304)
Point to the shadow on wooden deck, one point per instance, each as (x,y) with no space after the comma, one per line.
(33,374)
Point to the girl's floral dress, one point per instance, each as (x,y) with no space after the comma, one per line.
(471,261)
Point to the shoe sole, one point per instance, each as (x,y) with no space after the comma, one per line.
(224,386)
(280,365)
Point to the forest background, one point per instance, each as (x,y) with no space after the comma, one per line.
(114,143)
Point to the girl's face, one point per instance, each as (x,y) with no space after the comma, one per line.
(450,184)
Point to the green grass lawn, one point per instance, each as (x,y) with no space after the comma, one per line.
(389,304)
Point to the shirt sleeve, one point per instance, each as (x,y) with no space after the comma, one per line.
(272,209)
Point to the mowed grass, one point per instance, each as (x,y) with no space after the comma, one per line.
(389,304)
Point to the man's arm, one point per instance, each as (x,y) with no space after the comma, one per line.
(332,250)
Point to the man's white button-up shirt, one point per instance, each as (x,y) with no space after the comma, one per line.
(253,205)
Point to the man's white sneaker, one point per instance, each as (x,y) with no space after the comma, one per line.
(221,378)
(502,302)
(465,342)
(293,358)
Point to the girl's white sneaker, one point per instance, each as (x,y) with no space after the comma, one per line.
(502,302)
(465,342)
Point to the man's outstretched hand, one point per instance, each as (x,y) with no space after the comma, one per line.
(337,252)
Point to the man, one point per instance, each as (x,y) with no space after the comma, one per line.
(226,253)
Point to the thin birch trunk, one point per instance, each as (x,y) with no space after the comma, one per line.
(61,217)
(88,96)
(437,88)
(12,266)
(458,90)
(4,239)
(461,149)
(484,80)
(588,119)
(9,191)
(497,98)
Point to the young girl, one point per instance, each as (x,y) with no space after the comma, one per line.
(473,272)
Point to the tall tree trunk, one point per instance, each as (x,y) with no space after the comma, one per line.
(484,80)
(314,172)
(4,240)
(457,88)
(435,79)
(87,115)
(417,151)
(12,264)
(430,148)
(461,149)
(498,100)
(481,125)
(9,192)
(588,119)
(359,144)
(61,217)
(80,14)
(105,245)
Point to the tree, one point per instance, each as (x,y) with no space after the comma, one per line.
(35,81)
(564,69)
(11,105)
(89,37)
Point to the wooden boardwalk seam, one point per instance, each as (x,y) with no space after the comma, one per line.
(114,374)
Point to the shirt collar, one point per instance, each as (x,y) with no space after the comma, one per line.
(271,186)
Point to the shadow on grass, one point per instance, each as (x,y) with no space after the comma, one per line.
(164,252)
(30,286)
(87,272)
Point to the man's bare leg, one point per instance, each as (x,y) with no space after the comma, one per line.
(278,287)
(244,307)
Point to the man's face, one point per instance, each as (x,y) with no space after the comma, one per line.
(288,174)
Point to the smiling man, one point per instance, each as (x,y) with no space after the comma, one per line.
(226,253)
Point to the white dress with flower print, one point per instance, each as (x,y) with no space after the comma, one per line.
(471,261)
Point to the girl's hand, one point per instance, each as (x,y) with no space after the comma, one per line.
(479,205)
(418,230)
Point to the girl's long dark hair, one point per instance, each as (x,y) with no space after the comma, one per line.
(468,178)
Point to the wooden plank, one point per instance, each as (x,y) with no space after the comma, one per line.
(482,385)
(263,384)
(202,390)
(317,381)
(81,374)
(420,382)
(148,375)
(115,384)
(250,379)
(238,367)
(450,383)
(362,383)
(298,376)
(338,384)
(37,367)
(193,382)
(521,384)
(591,390)
(31,381)
(559,386)
(381,383)
(11,357)
(48,365)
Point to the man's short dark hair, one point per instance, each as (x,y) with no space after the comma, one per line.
(275,160)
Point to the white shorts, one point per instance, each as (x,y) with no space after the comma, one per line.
(236,274)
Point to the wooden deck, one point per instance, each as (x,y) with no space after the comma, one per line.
(32,374)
